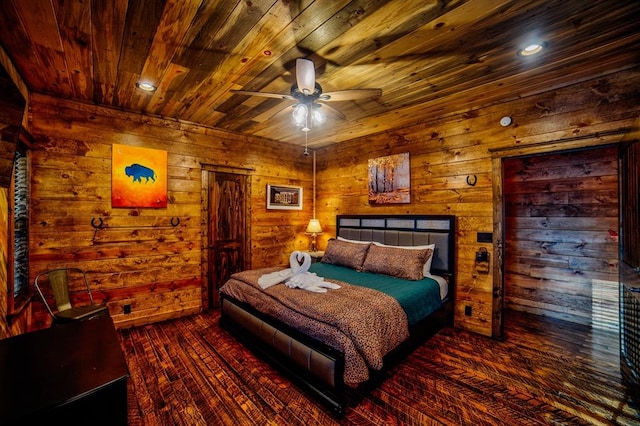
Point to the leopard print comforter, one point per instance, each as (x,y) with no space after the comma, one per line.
(362,323)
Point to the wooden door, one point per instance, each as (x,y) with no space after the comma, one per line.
(227,229)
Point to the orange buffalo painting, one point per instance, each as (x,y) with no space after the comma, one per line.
(138,177)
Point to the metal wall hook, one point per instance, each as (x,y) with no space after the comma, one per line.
(99,225)
(472,181)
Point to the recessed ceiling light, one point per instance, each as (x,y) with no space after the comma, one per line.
(146,86)
(532,49)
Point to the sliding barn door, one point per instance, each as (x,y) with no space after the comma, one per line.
(227,229)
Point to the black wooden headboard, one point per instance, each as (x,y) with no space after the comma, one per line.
(405,230)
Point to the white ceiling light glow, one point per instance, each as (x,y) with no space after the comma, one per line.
(307,115)
(145,86)
(532,49)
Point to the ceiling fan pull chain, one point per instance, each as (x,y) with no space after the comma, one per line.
(306,143)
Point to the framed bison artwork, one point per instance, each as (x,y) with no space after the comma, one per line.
(138,177)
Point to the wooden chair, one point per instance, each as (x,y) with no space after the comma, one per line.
(58,288)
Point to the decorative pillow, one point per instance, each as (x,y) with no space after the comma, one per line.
(427,265)
(344,253)
(397,262)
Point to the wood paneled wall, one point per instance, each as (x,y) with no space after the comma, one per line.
(446,150)
(138,258)
(630,195)
(561,235)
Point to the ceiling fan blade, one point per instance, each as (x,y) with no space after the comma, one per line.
(305,76)
(333,111)
(273,113)
(263,94)
(350,94)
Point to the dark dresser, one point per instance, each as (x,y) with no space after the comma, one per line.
(72,374)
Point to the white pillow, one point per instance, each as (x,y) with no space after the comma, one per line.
(427,266)
(354,241)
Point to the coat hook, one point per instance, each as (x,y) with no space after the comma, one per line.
(93,223)
(472,182)
(176,223)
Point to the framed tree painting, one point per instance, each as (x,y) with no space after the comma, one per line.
(389,179)
(138,177)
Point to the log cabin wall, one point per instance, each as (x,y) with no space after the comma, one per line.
(561,235)
(4,263)
(138,258)
(447,149)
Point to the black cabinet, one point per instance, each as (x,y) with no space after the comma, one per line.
(71,374)
(630,266)
(630,328)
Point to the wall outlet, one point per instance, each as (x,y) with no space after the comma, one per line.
(467,311)
(127,309)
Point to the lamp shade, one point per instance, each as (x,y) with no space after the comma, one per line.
(314,227)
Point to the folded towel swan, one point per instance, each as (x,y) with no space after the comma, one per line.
(297,276)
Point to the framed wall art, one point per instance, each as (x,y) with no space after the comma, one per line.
(389,179)
(284,197)
(138,177)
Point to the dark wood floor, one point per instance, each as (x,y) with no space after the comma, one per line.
(190,372)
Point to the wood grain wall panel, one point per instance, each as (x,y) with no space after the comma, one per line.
(546,204)
(138,258)
(446,150)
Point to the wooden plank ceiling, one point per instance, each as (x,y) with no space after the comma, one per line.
(430,58)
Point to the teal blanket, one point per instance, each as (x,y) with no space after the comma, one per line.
(417,298)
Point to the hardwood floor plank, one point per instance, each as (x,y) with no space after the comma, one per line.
(545,372)
(194,393)
(244,388)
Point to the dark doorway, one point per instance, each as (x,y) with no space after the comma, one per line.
(561,235)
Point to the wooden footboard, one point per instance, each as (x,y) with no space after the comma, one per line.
(315,366)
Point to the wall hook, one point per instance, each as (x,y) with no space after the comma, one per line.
(99,225)
(472,181)
(176,223)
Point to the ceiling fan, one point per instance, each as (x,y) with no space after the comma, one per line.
(308,93)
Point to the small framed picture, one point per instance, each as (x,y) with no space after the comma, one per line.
(284,197)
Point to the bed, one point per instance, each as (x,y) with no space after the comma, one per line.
(298,332)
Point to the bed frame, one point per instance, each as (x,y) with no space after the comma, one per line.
(319,368)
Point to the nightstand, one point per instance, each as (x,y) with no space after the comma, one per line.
(316,256)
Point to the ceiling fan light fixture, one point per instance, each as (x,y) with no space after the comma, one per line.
(316,116)
(300,114)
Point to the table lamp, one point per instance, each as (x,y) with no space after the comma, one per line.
(314,229)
